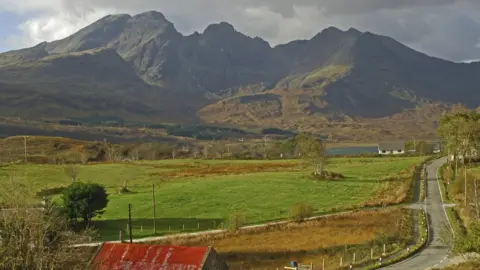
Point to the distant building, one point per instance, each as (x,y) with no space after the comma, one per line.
(436,148)
(391,148)
(116,256)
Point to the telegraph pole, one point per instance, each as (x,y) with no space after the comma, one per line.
(154,212)
(25,147)
(265,147)
(465,173)
(476,199)
(130,221)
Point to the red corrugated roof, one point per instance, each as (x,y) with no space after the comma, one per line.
(137,256)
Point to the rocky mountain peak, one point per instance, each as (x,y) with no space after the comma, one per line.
(152,14)
(221,28)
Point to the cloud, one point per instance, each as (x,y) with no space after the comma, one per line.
(60,25)
(444,28)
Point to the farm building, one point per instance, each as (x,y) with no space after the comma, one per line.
(391,148)
(118,256)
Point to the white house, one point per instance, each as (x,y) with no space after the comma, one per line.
(437,148)
(391,148)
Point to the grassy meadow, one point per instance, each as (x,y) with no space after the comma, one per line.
(194,195)
(311,242)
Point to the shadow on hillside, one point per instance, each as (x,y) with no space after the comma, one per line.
(109,230)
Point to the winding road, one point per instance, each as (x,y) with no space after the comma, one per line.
(436,253)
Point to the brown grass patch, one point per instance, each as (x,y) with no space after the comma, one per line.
(397,189)
(202,170)
(275,246)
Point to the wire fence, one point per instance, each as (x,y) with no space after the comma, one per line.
(143,227)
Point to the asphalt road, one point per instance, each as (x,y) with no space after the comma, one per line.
(435,254)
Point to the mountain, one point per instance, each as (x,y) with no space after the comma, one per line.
(142,69)
(80,84)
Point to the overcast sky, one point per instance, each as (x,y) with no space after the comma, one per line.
(448,29)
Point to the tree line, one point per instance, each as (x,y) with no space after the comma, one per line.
(460,136)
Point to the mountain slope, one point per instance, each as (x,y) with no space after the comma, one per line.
(142,68)
(355,75)
(217,59)
(76,84)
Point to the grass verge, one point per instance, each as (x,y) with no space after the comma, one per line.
(455,222)
(422,186)
(421,242)
(442,182)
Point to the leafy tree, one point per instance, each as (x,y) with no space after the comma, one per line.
(469,242)
(313,151)
(287,147)
(424,148)
(460,134)
(421,147)
(85,201)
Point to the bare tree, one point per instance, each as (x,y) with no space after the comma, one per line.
(83,156)
(35,239)
(136,154)
(124,188)
(112,154)
(72,172)
(195,151)
(313,151)
(205,151)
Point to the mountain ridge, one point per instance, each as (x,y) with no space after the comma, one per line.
(224,76)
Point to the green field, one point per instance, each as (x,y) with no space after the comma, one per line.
(192,195)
